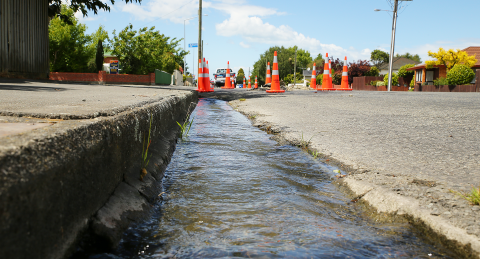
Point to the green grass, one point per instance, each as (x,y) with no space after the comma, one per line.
(185,127)
(315,154)
(145,158)
(304,143)
(473,197)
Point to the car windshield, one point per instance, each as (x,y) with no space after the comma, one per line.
(219,71)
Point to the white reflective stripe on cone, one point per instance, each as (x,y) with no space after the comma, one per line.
(275,72)
(269,75)
(314,76)
(275,59)
(344,73)
(344,63)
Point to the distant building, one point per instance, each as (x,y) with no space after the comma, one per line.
(428,75)
(398,62)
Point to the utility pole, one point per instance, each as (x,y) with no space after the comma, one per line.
(295,69)
(200,45)
(392,47)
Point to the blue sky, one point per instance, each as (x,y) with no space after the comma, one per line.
(240,30)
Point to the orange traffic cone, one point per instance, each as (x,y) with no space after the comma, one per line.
(326,82)
(244,84)
(268,80)
(256,83)
(228,84)
(344,86)
(313,82)
(330,78)
(275,87)
(249,83)
(200,79)
(207,79)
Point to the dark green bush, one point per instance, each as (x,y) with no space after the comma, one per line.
(440,81)
(460,75)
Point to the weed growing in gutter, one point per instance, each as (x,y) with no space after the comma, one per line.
(145,158)
(473,197)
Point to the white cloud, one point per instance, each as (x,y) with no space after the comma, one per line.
(244,45)
(175,11)
(246,21)
(82,19)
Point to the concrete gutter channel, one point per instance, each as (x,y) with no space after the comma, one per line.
(402,152)
(70,161)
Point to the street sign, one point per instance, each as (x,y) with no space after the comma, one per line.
(193,45)
(113,67)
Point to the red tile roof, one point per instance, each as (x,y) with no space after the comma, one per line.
(474,51)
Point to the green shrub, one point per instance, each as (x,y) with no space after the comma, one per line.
(337,79)
(412,83)
(380,83)
(320,79)
(460,75)
(394,79)
(289,78)
(440,81)
(402,72)
(373,72)
(373,82)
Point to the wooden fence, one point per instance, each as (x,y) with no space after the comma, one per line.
(24,38)
(362,83)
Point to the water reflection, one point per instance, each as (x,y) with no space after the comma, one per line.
(232,192)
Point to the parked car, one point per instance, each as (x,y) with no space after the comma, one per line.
(220,76)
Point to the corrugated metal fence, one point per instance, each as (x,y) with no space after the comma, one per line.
(24,38)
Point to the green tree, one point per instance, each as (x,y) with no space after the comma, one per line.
(99,56)
(378,57)
(415,57)
(319,63)
(69,45)
(286,60)
(55,6)
(143,51)
(450,58)
(240,75)
(403,72)
(373,72)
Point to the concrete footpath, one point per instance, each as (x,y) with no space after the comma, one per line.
(71,160)
(402,152)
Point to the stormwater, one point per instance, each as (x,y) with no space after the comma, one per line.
(231,191)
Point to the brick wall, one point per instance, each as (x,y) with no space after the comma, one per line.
(102,77)
(74,77)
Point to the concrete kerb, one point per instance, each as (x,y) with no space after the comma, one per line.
(380,199)
(55,179)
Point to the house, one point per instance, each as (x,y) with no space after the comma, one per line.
(398,62)
(307,74)
(107,57)
(427,75)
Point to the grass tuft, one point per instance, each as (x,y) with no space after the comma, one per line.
(145,158)
(185,127)
(473,197)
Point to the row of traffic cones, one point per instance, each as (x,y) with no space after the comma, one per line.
(204,77)
(274,79)
(327,84)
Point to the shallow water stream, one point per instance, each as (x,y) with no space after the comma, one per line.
(230,191)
